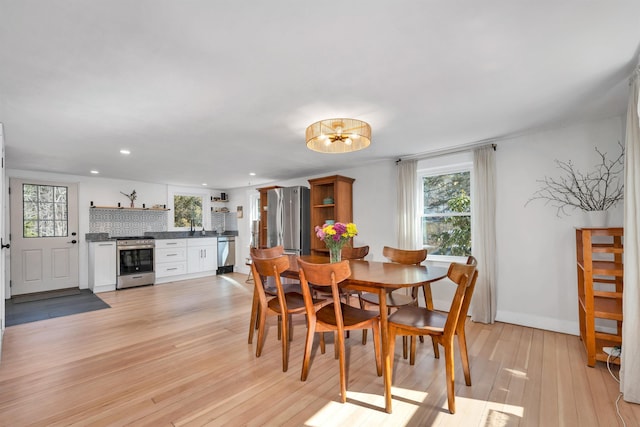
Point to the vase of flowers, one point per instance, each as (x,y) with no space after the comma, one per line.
(335,236)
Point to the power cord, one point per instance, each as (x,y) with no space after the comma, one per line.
(609,356)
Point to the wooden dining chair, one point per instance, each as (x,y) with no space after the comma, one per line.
(413,320)
(283,305)
(288,285)
(460,329)
(397,299)
(335,317)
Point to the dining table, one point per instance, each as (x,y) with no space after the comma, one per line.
(379,278)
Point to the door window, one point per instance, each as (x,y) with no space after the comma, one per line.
(45,211)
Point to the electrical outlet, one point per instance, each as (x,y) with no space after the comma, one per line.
(613,351)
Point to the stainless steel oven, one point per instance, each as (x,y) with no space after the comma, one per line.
(135,261)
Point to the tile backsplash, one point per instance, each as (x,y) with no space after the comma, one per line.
(119,222)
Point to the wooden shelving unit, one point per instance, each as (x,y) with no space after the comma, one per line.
(600,285)
(340,189)
(263,214)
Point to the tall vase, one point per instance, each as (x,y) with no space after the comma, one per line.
(335,254)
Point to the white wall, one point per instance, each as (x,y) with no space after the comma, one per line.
(537,283)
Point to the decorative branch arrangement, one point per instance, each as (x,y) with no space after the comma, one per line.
(132,197)
(598,190)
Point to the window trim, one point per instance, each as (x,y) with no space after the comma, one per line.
(443,169)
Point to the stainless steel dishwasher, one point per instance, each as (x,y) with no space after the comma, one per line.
(226,254)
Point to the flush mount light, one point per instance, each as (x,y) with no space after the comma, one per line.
(95,172)
(338,135)
(252,174)
(124,151)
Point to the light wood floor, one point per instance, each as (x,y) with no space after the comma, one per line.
(177,355)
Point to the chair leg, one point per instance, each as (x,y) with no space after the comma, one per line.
(285,342)
(261,326)
(290,327)
(464,356)
(412,351)
(448,357)
(376,347)
(336,352)
(404,346)
(254,316)
(436,349)
(392,350)
(322,343)
(307,350)
(343,370)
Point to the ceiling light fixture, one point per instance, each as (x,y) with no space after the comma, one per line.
(95,172)
(338,135)
(125,152)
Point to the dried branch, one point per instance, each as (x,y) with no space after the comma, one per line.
(598,190)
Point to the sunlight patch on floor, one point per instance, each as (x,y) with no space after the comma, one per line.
(405,404)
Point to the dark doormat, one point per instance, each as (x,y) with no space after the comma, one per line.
(38,296)
(24,312)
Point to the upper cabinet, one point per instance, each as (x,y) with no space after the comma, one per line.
(331,199)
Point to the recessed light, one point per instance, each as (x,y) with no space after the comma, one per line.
(95,172)
(252,173)
(123,151)
(204,183)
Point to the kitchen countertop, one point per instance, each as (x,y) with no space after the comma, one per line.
(104,237)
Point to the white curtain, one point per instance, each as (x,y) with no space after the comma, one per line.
(483,229)
(630,359)
(408,205)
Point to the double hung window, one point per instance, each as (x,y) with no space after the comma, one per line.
(446,208)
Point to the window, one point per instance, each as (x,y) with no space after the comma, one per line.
(187,211)
(44,210)
(187,204)
(446,213)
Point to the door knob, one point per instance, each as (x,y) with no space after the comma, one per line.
(3,246)
(74,241)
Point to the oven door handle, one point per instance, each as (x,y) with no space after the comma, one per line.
(133,247)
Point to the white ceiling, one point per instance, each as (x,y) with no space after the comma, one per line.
(209,90)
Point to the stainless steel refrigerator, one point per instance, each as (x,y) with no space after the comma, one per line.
(288,219)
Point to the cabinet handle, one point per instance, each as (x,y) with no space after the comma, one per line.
(105,244)
(173,268)
(171,243)
(172,254)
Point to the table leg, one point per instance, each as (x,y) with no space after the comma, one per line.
(386,358)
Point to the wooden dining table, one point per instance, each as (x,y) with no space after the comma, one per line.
(380,278)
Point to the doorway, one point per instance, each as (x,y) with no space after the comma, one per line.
(44,236)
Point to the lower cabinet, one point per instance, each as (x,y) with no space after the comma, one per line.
(170,258)
(179,259)
(202,255)
(102,266)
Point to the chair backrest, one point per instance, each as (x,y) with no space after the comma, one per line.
(462,275)
(269,267)
(464,311)
(404,256)
(354,253)
(323,275)
(267,252)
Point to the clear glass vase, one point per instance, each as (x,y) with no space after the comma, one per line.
(335,254)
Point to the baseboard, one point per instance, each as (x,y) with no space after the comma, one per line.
(538,322)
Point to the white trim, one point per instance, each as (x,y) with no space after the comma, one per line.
(184,191)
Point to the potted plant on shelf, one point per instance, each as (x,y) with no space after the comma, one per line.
(593,192)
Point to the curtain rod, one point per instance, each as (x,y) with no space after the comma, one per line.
(451,150)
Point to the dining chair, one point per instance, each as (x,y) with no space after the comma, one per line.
(269,286)
(335,317)
(397,299)
(414,320)
(460,329)
(283,305)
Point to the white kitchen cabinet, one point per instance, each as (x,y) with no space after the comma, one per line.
(202,254)
(170,257)
(102,266)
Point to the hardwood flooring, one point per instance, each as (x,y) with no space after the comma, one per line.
(177,355)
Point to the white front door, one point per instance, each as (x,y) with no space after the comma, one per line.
(44,236)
